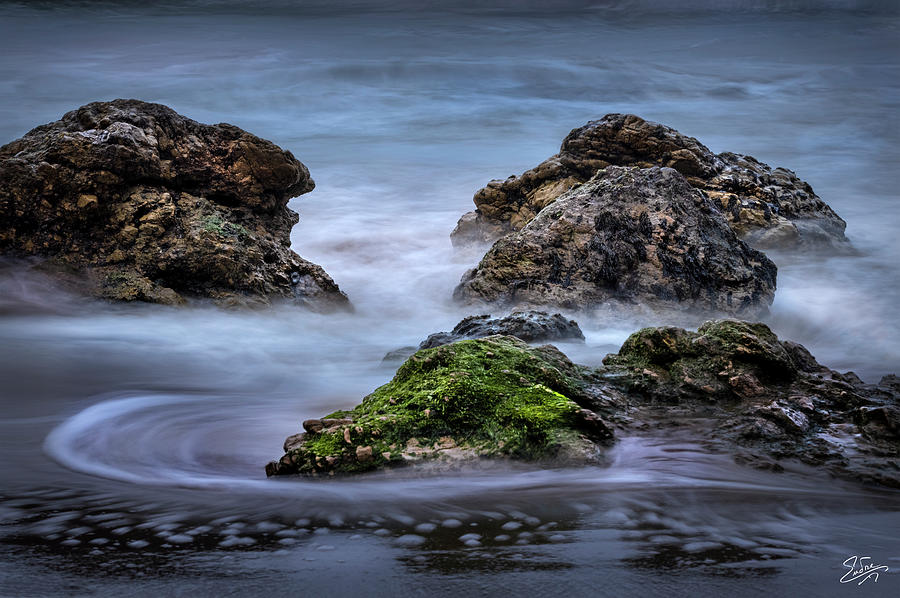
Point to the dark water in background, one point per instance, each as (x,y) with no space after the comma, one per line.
(133,437)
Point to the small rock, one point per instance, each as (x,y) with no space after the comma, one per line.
(364,454)
(313,426)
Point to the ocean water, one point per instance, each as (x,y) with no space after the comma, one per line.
(134,437)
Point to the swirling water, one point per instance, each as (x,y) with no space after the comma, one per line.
(134,436)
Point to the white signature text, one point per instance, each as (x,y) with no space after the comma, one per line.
(862,568)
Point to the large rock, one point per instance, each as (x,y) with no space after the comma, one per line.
(627,235)
(145,204)
(487,398)
(767,401)
(767,207)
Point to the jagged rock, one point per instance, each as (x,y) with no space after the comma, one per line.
(766,399)
(494,397)
(767,207)
(717,361)
(530,326)
(627,235)
(144,204)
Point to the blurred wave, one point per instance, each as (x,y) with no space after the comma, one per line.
(629,7)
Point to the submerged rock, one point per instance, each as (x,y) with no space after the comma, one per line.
(487,398)
(766,399)
(144,204)
(767,207)
(627,235)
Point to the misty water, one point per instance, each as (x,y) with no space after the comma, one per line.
(134,436)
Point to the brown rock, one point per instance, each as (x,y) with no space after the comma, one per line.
(293,441)
(628,235)
(767,207)
(364,454)
(149,205)
(313,426)
(746,385)
(595,425)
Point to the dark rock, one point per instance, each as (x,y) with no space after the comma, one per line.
(530,326)
(398,355)
(598,428)
(789,419)
(292,441)
(890,382)
(628,235)
(802,358)
(767,399)
(148,205)
(885,417)
(313,426)
(767,207)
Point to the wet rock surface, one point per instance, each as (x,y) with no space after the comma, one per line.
(139,203)
(529,326)
(628,235)
(494,397)
(738,387)
(767,207)
(768,401)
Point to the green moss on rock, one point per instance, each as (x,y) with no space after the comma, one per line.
(723,359)
(490,397)
(216,224)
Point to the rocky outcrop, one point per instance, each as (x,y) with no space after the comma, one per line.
(627,235)
(767,401)
(732,385)
(487,398)
(529,326)
(145,204)
(767,207)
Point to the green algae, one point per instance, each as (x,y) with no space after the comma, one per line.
(322,445)
(216,224)
(712,361)
(494,396)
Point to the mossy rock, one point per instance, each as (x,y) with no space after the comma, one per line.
(490,397)
(723,359)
